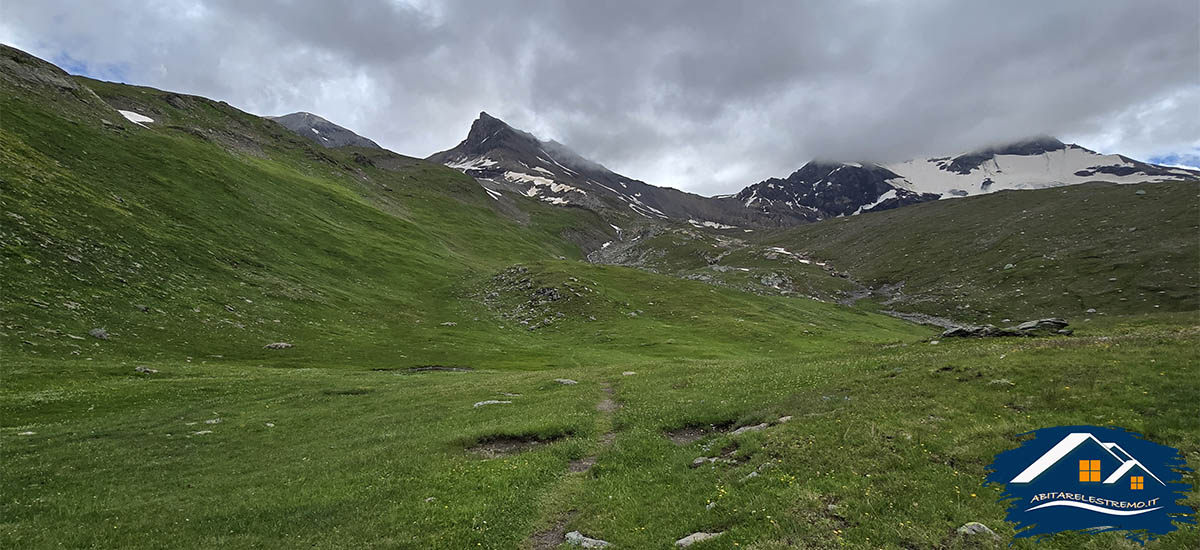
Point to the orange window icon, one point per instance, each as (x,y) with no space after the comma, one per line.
(1136,482)
(1089,471)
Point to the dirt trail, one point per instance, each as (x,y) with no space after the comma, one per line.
(555,535)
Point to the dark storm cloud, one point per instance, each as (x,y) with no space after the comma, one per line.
(704,96)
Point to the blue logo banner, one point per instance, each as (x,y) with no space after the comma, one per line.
(1092,479)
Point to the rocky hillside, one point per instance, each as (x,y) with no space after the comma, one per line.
(322,131)
(507,160)
(832,189)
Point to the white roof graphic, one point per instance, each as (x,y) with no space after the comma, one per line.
(1068,444)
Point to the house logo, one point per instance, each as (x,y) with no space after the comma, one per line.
(1092,479)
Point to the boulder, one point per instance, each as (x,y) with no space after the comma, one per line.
(566,381)
(277,345)
(145,370)
(99,333)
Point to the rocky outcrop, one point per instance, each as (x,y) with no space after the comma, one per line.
(1037,327)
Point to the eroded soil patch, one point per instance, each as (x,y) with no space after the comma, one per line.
(433,368)
(508,445)
(691,434)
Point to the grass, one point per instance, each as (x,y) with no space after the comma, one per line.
(196,241)
(897,437)
(1117,249)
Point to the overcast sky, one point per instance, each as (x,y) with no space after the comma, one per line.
(703,96)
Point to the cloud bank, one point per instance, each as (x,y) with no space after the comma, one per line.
(703,96)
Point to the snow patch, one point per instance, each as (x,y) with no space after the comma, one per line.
(890,194)
(713,225)
(135,118)
(471,163)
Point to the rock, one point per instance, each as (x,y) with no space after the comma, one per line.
(491,402)
(145,370)
(270,424)
(710,506)
(1139,192)
(27,433)
(976,529)
(277,345)
(1067,331)
(566,381)
(628,373)
(449,324)
(750,476)
(430,499)
(1001,382)
(694,538)
(202,432)
(1091,310)
(142,308)
(1009,266)
(213,421)
(575,538)
(99,333)
(1049,324)
(934,342)
(783,419)
(753,428)
(1028,328)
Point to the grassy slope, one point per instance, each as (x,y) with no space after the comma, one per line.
(235,233)
(1093,246)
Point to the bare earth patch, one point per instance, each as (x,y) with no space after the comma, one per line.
(501,446)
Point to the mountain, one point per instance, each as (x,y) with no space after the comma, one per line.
(505,159)
(322,131)
(834,189)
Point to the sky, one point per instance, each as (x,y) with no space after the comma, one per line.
(703,96)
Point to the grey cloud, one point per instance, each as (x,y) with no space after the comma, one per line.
(707,97)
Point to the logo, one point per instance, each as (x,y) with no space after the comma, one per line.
(1092,479)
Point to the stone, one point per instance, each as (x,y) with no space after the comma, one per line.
(1001,382)
(277,345)
(783,419)
(1140,192)
(1009,266)
(449,324)
(430,499)
(694,538)
(145,370)
(575,538)
(1049,324)
(976,529)
(566,381)
(99,333)
(754,428)
(628,373)
(491,402)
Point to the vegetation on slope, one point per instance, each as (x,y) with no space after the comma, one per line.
(1115,249)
